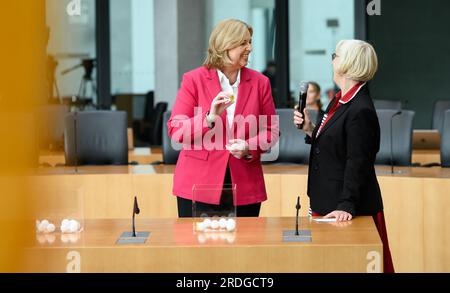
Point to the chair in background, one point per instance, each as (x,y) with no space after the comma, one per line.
(96,138)
(50,125)
(124,102)
(292,146)
(445,140)
(170,154)
(157,123)
(142,127)
(387,104)
(439,109)
(402,130)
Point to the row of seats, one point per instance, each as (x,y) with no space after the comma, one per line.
(100,137)
(439,108)
(293,150)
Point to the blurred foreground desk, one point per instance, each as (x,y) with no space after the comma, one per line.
(255,247)
(416,202)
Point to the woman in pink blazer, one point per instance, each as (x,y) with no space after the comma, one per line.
(224,116)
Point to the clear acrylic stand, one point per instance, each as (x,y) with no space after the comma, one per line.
(58,213)
(220,217)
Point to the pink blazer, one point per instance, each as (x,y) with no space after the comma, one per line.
(204,159)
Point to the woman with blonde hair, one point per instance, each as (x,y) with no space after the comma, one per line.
(225,98)
(342,182)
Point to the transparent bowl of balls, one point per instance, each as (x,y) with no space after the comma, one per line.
(215,224)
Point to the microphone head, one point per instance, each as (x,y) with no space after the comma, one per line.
(297,206)
(136,209)
(304,86)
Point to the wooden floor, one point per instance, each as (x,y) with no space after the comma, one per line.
(173,246)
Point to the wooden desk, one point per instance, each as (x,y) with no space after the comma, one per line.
(256,247)
(416,202)
(141,155)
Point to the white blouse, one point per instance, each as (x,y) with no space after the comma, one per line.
(232,89)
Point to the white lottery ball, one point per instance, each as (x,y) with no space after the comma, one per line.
(222,223)
(215,236)
(65,226)
(43,225)
(200,226)
(231,225)
(50,228)
(206,223)
(214,224)
(74,226)
(65,223)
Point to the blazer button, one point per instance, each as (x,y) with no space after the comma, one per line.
(317,151)
(316,167)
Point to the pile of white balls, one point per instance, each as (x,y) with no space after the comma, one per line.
(45,226)
(70,226)
(222,224)
(67,226)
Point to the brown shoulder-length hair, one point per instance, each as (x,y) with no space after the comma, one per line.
(226,35)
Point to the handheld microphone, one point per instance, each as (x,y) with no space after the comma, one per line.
(136,211)
(392,141)
(297,206)
(302,100)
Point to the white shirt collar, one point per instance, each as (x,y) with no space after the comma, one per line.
(223,78)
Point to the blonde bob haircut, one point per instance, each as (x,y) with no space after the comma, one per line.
(227,34)
(357,60)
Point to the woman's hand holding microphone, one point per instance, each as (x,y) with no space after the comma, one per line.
(304,118)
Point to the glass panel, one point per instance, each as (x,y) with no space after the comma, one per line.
(132,46)
(57,215)
(257,13)
(133,63)
(71,52)
(214,218)
(315,27)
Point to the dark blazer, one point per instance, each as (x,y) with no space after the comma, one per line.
(341,172)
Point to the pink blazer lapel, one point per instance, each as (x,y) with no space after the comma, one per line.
(213,86)
(245,88)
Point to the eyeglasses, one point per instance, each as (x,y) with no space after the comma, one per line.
(333,56)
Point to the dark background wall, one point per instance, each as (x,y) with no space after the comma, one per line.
(412,40)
